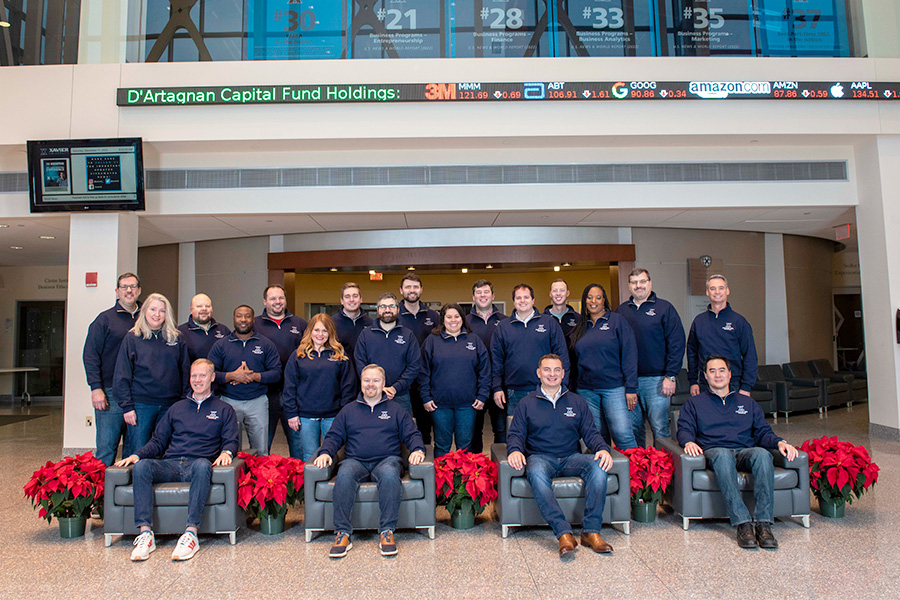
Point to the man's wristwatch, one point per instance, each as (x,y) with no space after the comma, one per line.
(670,378)
(228,452)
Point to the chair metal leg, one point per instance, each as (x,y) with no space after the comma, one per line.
(309,535)
(805,520)
(626,528)
(775,417)
(107,539)
(232,538)
(685,523)
(504,531)
(430,532)
(786,417)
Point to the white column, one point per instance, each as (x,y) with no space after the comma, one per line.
(778,350)
(878,220)
(107,245)
(187,279)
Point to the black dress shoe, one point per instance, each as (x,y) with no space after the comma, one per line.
(765,537)
(746,538)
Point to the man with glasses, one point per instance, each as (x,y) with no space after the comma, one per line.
(101,349)
(350,320)
(394,348)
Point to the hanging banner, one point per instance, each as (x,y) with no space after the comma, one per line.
(605,28)
(802,28)
(397,29)
(707,28)
(498,28)
(295,29)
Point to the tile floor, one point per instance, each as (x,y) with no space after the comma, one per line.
(855,557)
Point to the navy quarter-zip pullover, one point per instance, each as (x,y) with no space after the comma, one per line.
(101,346)
(396,351)
(541,427)
(194,430)
(285,335)
(735,421)
(455,371)
(151,371)
(318,385)
(422,323)
(200,341)
(370,433)
(517,347)
(727,334)
(485,328)
(659,334)
(261,357)
(348,329)
(567,321)
(606,355)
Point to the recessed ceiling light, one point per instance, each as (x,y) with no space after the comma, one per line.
(2,226)
(489,266)
(556,268)
(333,269)
(4,23)
(371,271)
(17,248)
(465,270)
(48,237)
(410,268)
(567,264)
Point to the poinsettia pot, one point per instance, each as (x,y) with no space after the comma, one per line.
(71,527)
(831,508)
(463,517)
(271,524)
(644,512)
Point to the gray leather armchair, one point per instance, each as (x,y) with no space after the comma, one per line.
(694,492)
(859,388)
(222,514)
(790,396)
(417,505)
(516,506)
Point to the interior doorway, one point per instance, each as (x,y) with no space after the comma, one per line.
(848,324)
(40,342)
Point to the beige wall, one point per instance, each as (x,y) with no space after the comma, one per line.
(158,270)
(808,276)
(232,272)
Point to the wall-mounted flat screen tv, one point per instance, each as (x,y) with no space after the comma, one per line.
(80,175)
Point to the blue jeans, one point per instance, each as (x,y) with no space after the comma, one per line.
(513,397)
(148,471)
(254,414)
(311,433)
(136,436)
(385,473)
(652,405)
(611,415)
(404,401)
(111,428)
(450,421)
(726,462)
(541,469)
(276,415)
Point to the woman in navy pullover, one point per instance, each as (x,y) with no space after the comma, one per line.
(152,371)
(455,379)
(318,382)
(605,364)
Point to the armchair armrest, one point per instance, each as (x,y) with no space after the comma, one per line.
(505,471)
(842,378)
(681,492)
(425,469)
(801,463)
(765,386)
(117,476)
(229,473)
(805,381)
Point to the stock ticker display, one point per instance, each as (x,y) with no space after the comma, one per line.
(320,29)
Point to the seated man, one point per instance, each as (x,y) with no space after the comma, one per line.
(545,428)
(195,435)
(370,430)
(730,429)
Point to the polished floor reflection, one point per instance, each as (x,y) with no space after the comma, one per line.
(853,557)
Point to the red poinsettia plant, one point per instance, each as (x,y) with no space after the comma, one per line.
(651,472)
(68,488)
(463,478)
(839,470)
(269,484)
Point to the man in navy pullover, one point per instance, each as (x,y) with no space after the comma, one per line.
(730,430)
(201,331)
(195,435)
(285,330)
(543,439)
(371,431)
(720,330)
(483,320)
(247,363)
(350,320)
(566,316)
(660,344)
(519,342)
(394,348)
(101,350)
(421,320)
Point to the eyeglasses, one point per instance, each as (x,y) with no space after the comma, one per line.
(132,286)
(640,281)
(387,306)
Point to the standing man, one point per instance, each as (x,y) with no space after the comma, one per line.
(350,320)
(285,330)
(247,363)
(483,320)
(518,344)
(196,434)
(101,349)
(660,344)
(567,317)
(543,439)
(421,320)
(370,430)
(720,330)
(394,348)
(201,331)
(732,433)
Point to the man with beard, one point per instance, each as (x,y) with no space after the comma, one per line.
(421,320)
(247,363)
(201,331)
(394,348)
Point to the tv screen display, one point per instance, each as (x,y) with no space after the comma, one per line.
(79,175)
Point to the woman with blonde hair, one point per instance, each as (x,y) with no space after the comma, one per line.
(152,371)
(318,382)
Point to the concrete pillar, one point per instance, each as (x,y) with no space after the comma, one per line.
(778,350)
(187,280)
(107,245)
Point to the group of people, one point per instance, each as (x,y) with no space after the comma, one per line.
(153,383)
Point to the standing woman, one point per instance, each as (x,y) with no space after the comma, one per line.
(455,379)
(152,371)
(605,360)
(318,382)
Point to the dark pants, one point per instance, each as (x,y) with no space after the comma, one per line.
(422,416)
(385,473)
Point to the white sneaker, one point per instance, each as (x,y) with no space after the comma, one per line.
(187,547)
(144,544)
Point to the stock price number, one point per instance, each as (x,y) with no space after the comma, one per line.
(498,18)
(784,93)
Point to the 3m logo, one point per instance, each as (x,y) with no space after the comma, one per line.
(440,91)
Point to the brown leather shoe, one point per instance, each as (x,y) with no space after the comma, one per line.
(595,543)
(567,545)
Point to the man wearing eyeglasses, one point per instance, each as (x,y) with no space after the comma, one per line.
(101,349)
(393,347)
